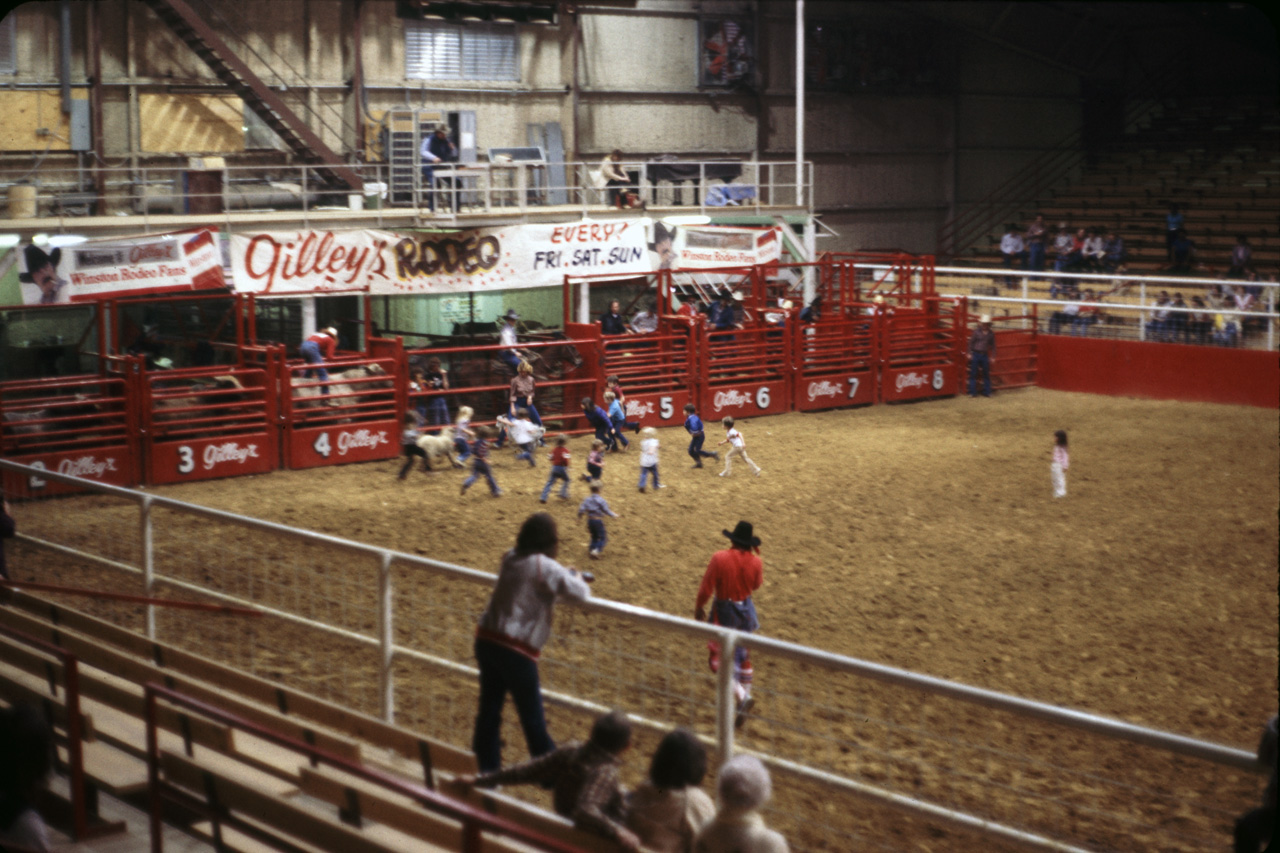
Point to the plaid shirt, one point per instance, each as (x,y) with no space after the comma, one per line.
(585,782)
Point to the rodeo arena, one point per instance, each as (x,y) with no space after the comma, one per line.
(249,600)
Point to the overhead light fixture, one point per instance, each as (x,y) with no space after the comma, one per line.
(8,241)
(59,241)
(41,239)
(687,219)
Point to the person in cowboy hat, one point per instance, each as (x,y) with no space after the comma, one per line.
(663,244)
(982,348)
(42,271)
(731,577)
(511,356)
(317,349)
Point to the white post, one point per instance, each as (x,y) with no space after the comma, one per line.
(1142,315)
(799,103)
(148,562)
(584,302)
(726,699)
(308,316)
(386,676)
(1271,318)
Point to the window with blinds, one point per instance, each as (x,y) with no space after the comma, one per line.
(439,51)
(8,45)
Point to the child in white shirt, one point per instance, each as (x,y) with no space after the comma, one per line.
(524,434)
(649,458)
(737,447)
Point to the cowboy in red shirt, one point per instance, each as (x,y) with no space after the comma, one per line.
(317,349)
(731,577)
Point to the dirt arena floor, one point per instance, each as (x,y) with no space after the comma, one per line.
(923,536)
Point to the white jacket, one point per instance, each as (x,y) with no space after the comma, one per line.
(521,606)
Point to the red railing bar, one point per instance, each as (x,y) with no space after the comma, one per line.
(472,818)
(135,599)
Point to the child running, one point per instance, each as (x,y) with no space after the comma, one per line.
(595,508)
(480,462)
(649,458)
(595,461)
(409,445)
(559,469)
(462,434)
(737,447)
(524,434)
(618,418)
(1061,462)
(693,426)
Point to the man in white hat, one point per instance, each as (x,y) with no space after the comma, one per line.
(317,349)
(982,348)
(511,356)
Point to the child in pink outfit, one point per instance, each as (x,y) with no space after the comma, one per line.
(1061,462)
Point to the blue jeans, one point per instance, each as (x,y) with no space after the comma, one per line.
(695,448)
(510,359)
(504,671)
(558,472)
(1035,257)
(523,403)
(645,471)
(980,363)
(480,468)
(526,452)
(595,526)
(438,411)
(311,352)
(618,426)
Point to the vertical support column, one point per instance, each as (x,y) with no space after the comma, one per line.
(800,103)
(386,683)
(308,316)
(148,562)
(1143,315)
(1271,318)
(726,702)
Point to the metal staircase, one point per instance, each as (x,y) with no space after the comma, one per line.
(233,72)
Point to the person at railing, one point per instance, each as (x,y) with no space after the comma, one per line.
(435,378)
(1226,329)
(1200,322)
(523,387)
(1113,252)
(26,744)
(731,578)
(1177,324)
(812,312)
(1158,325)
(437,148)
(1174,221)
(1065,316)
(316,350)
(1257,827)
(1013,251)
(645,321)
(1063,249)
(583,777)
(742,789)
(8,527)
(1035,237)
(668,809)
(982,348)
(511,355)
(616,180)
(612,322)
(1086,316)
(516,624)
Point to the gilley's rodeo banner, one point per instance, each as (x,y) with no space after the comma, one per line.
(387,262)
(102,269)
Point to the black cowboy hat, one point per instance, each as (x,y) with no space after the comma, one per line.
(36,258)
(742,536)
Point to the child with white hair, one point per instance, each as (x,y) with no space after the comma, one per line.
(462,434)
(649,458)
(742,789)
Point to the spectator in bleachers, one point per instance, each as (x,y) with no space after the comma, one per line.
(26,759)
(1158,325)
(1177,318)
(1094,251)
(1063,247)
(511,633)
(742,789)
(1226,328)
(1035,238)
(1199,323)
(1182,252)
(1014,252)
(668,810)
(1174,222)
(1113,253)
(1086,316)
(1241,256)
(583,778)
(1257,827)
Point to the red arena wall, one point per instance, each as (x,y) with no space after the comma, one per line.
(1160,371)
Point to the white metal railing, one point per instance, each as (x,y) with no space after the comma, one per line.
(1129,300)
(65,192)
(391,632)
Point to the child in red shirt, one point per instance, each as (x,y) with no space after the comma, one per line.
(559,469)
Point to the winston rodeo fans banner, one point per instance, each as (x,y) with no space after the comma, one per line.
(102,269)
(503,258)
